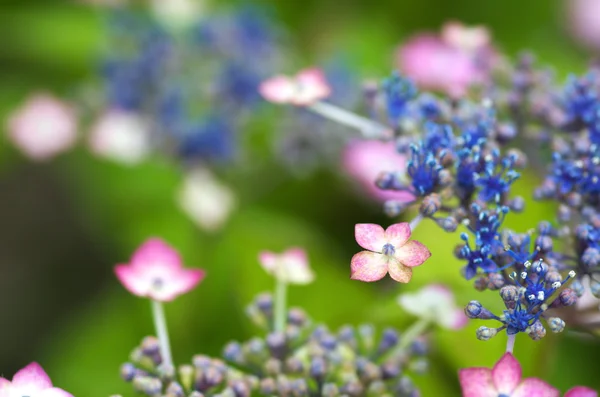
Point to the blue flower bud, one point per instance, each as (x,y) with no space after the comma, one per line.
(556,324)
(473,309)
(485,333)
(536,331)
(128,371)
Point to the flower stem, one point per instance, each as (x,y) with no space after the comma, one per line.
(368,128)
(510,343)
(160,323)
(410,335)
(280,305)
(415,222)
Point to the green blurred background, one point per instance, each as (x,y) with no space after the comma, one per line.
(65,224)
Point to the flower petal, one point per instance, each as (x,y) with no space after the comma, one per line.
(4,383)
(398,234)
(32,376)
(476,382)
(131,280)
(370,236)
(399,272)
(155,252)
(368,266)
(54,392)
(412,254)
(183,282)
(581,391)
(268,261)
(297,270)
(506,374)
(279,89)
(533,387)
(311,87)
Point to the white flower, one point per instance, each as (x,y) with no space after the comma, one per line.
(434,302)
(290,266)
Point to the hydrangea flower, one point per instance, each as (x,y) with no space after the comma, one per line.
(365,160)
(121,136)
(434,302)
(156,272)
(505,380)
(306,88)
(205,200)
(43,127)
(31,381)
(389,251)
(291,266)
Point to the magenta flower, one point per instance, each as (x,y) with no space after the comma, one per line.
(389,251)
(450,63)
(580,391)
(306,88)
(31,381)
(503,380)
(436,304)
(584,22)
(366,159)
(156,272)
(291,266)
(43,127)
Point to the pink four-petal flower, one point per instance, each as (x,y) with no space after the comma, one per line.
(389,251)
(156,272)
(306,88)
(31,381)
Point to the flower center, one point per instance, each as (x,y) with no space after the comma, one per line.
(157,284)
(388,250)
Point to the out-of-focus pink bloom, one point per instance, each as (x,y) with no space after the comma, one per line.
(467,38)
(581,391)
(584,22)
(436,303)
(389,251)
(451,62)
(156,272)
(121,136)
(205,200)
(307,87)
(366,159)
(290,266)
(30,381)
(503,380)
(43,127)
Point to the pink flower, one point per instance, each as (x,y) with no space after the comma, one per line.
(436,303)
(584,22)
(581,391)
(451,63)
(388,251)
(504,379)
(306,88)
(30,381)
(366,159)
(43,127)
(156,272)
(291,266)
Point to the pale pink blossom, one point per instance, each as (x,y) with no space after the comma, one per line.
(43,127)
(435,303)
(306,88)
(205,200)
(504,379)
(156,272)
(584,22)
(291,266)
(121,136)
(389,251)
(366,159)
(31,381)
(451,62)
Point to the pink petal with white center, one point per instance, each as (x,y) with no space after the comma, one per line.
(156,253)
(368,266)
(477,382)
(181,283)
(533,387)
(54,392)
(365,160)
(296,266)
(311,87)
(398,234)
(370,236)
(506,374)
(279,89)
(399,272)
(466,38)
(32,376)
(132,280)
(412,254)
(268,261)
(581,391)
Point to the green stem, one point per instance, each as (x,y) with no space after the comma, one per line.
(410,335)
(280,305)
(160,323)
